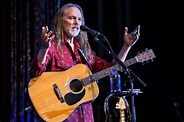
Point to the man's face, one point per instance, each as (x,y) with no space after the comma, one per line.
(72,21)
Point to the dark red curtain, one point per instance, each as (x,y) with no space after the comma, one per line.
(23,21)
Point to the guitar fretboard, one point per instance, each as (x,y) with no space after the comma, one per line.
(106,72)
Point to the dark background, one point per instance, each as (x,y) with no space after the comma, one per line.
(161,30)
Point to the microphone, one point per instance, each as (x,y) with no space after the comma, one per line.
(93,32)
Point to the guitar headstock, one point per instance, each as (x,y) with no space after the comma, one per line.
(120,105)
(145,56)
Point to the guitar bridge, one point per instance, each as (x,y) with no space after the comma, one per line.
(58,93)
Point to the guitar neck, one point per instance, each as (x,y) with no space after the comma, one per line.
(106,72)
(130,61)
(122,115)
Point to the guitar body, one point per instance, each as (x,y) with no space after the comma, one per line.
(45,100)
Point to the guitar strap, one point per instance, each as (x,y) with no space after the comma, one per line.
(84,59)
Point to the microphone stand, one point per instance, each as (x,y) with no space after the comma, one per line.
(125,69)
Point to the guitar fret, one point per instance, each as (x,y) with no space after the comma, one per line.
(102,74)
(99,75)
(130,62)
(87,80)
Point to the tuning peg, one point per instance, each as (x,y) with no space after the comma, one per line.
(147,61)
(152,60)
(146,49)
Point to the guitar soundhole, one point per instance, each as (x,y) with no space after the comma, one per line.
(76,85)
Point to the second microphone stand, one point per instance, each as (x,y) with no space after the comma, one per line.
(126,69)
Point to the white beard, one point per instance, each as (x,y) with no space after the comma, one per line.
(74,32)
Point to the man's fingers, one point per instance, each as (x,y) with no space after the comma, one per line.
(45,29)
(52,37)
(126,30)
